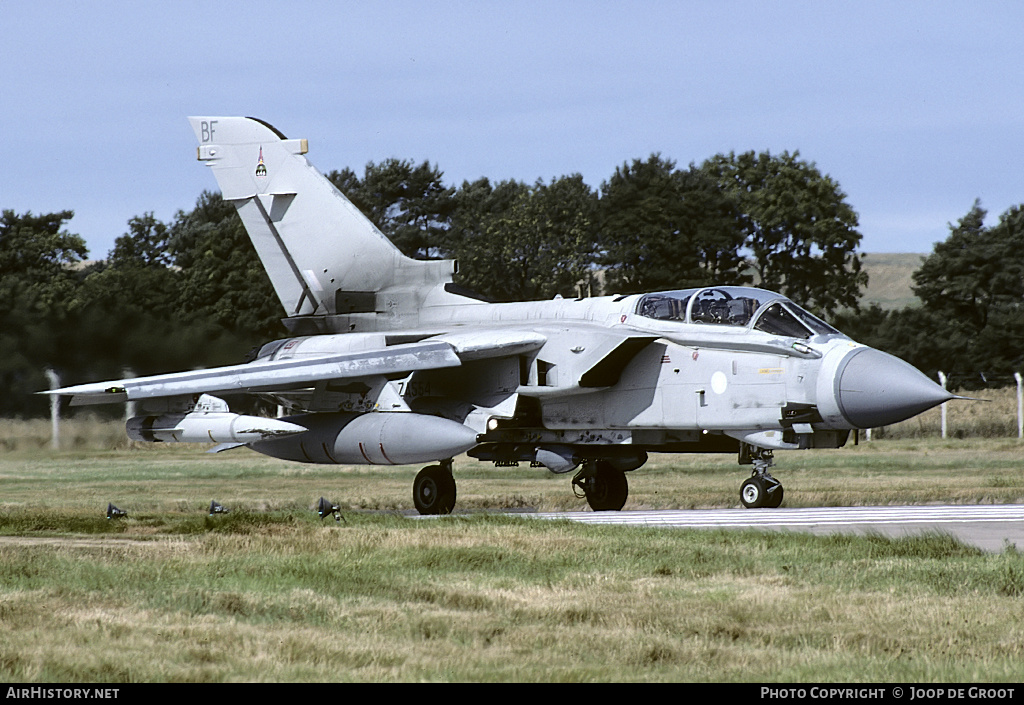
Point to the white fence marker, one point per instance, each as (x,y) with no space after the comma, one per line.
(54,379)
(942,381)
(1020,405)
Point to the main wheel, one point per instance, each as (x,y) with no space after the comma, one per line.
(433,490)
(606,488)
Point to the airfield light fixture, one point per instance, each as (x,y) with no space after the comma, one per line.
(216,508)
(324,508)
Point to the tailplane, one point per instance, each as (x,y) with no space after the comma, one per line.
(325,259)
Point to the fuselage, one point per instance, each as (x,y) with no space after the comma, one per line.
(664,369)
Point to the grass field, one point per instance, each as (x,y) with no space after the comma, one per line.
(270,592)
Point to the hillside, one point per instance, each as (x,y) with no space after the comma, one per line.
(889,279)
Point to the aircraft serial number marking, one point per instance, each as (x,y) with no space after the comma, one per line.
(413,389)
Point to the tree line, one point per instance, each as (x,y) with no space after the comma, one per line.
(971,322)
(192,292)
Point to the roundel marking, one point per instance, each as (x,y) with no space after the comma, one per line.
(719,382)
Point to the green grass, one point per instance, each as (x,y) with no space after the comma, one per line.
(269,592)
(499,599)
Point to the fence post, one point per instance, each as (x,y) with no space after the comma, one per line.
(942,381)
(129,406)
(1020,405)
(54,379)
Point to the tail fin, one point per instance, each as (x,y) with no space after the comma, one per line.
(323,256)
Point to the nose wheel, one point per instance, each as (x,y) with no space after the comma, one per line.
(761,490)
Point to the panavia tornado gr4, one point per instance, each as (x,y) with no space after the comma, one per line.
(391,363)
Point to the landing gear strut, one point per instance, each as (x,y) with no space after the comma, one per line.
(761,489)
(604,486)
(433,490)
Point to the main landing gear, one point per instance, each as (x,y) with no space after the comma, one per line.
(433,490)
(604,486)
(761,489)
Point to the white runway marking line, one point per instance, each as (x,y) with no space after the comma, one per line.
(842,516)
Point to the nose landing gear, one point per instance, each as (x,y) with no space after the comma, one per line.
(761,489)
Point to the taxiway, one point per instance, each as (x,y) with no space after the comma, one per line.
(992,527)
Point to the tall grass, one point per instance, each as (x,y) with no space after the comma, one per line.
(994,417)
(488,598)
(78,433)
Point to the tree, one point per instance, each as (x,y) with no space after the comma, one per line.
(146,244)
(223,281)
(974,280)
(976,269)
(36,255)
(518,242)
(37,287)
(662,228)
(549,239)
(126,308)
(801,233)
(137,274)
(925,338)
(409,203)
(971,326)
(470,239)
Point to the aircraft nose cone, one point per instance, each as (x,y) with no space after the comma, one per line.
(874,389)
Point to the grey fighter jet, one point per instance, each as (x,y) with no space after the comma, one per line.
(391,363)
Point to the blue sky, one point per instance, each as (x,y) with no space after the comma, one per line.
(915,108)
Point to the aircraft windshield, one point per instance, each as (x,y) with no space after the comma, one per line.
(779,320)
(788,319)
(816,324)
(734,306)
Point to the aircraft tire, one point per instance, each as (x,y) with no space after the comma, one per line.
(433,490)
(773,499)
(607,489)
(752,493)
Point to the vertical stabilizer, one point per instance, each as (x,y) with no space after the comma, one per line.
(322,255)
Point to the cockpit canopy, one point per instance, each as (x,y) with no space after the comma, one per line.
(737,306)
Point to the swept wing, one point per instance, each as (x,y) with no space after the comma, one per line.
(298,373)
